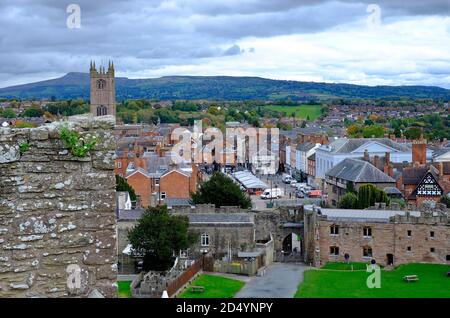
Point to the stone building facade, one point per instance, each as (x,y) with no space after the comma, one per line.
(57,214)
(389,237)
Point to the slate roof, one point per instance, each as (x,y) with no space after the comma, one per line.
(130,214)
(344,145)
(392,190)
(358,171)
(177,202)
(220,218)
(363,215)
(305,146)
(413,175)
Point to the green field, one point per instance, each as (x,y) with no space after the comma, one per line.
(301,111)
(332,283)
(123,288)
(215,287)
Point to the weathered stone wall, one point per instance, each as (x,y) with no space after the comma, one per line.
(57,210)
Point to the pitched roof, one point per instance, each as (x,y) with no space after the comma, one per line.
(344,145)
(305,146)
(356,170)
(413,175)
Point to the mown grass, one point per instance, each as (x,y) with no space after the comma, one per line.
(123,289)
(215,287)
(301,111)
(326,283)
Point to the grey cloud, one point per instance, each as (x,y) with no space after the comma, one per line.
(233,50)
(143,34)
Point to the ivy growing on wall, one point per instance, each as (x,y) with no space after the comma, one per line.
(76,144)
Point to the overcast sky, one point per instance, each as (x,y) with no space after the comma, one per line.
(391,42)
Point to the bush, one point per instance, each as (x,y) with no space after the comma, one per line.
(348,201)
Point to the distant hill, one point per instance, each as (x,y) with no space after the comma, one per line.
(76,85)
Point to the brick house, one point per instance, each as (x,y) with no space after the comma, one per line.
(158,179)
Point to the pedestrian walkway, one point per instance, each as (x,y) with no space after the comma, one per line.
(280,281)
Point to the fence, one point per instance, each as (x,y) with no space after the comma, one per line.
(181,280)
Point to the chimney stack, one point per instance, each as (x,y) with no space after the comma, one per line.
(376,161)
(419,151)
(366,156)
(441,169)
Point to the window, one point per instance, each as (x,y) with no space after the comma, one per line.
(334,250)
(102,111)
(432,234)
(334,230)
(432,250)
(205,239)
(157,182)
(101,84)
(119,165)
(409,232)
(408,248)
(162,195)
(447,258)
(367,231)
(367,251)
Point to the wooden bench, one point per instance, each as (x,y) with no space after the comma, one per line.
(411,278)
(197,289)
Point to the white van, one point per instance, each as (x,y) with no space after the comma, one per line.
(271,193)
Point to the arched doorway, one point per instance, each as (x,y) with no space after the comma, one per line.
(292,248)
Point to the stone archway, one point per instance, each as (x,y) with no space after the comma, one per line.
(292,248)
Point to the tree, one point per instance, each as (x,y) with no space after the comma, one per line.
(368,194)
(376,131)
(221,191)
(33,112)
(446,200)
(354,130)
(122,185)
(9,113)
(158,235)
(348,201)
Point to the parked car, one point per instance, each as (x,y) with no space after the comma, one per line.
(293,183)
(300,194)
(273,193)
(286,178)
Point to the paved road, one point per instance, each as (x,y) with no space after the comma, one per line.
(281,281)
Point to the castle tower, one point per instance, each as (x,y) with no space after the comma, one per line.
(103,90)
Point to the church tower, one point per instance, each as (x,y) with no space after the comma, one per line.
(103,90)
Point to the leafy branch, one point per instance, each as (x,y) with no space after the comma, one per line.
(78,146)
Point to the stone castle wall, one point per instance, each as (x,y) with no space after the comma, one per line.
(408,239)
(57,212)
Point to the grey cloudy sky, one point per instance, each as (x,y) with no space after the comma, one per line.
(331,41)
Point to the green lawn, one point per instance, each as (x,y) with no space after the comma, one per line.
(301,111)
(345,266)
(325,283)
(124,289)
(215,287)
